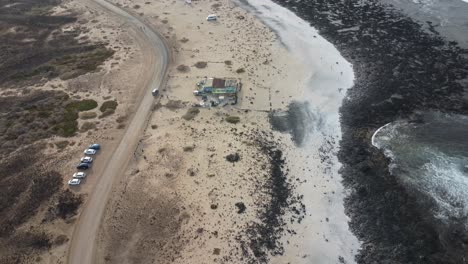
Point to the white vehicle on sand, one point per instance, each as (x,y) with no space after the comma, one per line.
(86,160)
(79,175)
(74,182)
(90,152)
(212,17)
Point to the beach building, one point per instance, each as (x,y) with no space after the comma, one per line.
(218,91)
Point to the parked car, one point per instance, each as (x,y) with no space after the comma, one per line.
(74,182)
(155,92)
(90,152)
(86,160)
(211,17)
(79,175)
(83,166)
(94,146)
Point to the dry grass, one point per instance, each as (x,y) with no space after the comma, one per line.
(87,126)
(88,115)
(191,113)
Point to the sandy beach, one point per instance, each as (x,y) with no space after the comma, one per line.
(180,201)
(233,131)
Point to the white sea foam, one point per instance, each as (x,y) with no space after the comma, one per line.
(428,158)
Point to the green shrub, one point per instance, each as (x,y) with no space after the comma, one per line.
(68,126)
(83,105)
(108,105)
(232,119)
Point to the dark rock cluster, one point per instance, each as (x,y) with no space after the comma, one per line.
(399,68)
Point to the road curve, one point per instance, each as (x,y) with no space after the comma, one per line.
(83,242)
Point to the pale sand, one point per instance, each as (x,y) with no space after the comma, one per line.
(161,211)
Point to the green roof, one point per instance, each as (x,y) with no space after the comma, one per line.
(226,90)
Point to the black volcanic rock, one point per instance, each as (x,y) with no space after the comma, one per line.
(400,68)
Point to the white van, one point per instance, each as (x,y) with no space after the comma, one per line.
(211,17)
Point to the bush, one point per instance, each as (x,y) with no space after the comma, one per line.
(108,112)
(88,115)
(68,204)
(174,104)
(201,64)
(191,113)
(232,119)
(83,105)
(108,105)
(183,68)
(121,119)
(68,126)
(228,62)
(240,70)
(62,144)
(188,148)
(87,104)
(87,126)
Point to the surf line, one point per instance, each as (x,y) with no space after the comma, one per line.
(375,133)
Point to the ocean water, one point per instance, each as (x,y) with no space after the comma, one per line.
(448,17)
(430,156)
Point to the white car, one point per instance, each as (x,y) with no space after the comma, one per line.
(79,175)
(90,152)
(211,17)
(86,160)
(74,182)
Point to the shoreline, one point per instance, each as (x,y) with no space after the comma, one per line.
(385,91)
(203,200)
(326,235)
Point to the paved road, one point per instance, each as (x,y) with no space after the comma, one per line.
(83,244)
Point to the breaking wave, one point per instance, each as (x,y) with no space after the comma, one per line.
(430,156)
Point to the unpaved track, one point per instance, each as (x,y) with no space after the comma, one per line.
(83,243)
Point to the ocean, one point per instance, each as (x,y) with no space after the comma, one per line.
(430,156)
(407,190)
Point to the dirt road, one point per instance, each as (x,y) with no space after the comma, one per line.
(156,57)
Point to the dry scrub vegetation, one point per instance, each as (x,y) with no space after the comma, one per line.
(33,49)
(34,186)
(48,52)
